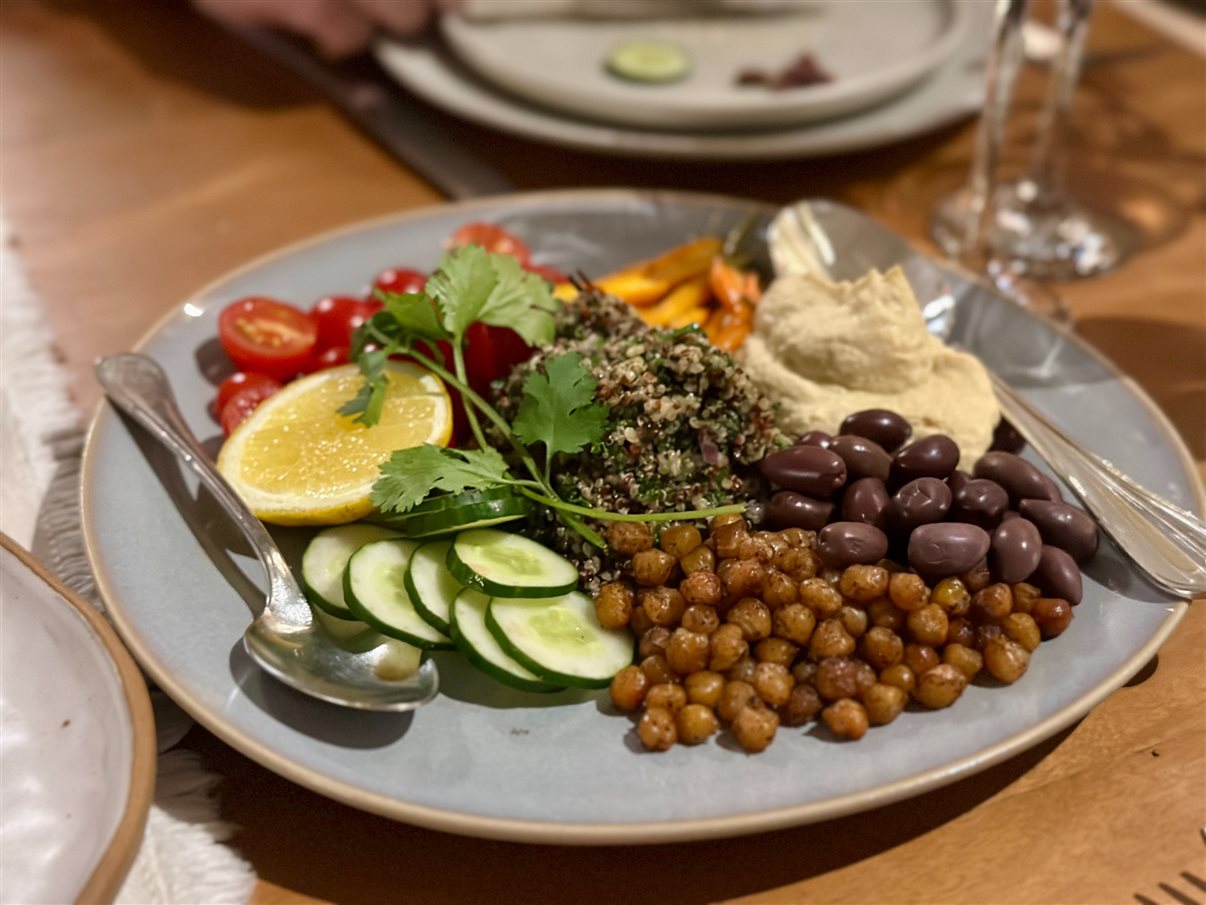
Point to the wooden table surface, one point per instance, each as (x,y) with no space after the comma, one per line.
(144,153)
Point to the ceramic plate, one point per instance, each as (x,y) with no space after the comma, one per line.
(954,90)
(78,746)
(487,761)
(872,51)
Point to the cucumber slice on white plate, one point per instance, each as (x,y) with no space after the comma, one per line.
(374,588)
(349,634)
(560,639)
(648,60)
(327,556)
(431,586)
(507,565)
(482,650)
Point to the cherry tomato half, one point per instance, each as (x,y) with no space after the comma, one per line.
(242,403)
(493,238)
(241,380)
(266,336)
(332,357)
(400,280)
(337,317)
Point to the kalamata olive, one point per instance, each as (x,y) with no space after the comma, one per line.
(1063,526)
(981,502)
(843,544)
(864,458)
(865,501)
(956,479)
(1005,438)
(881,426)
(919,502)
(1058,575)
(815,438)
(809,470)
(1015,550)
(1054,494)
(788,509)
(1021,480)
(931,457)
(947,548)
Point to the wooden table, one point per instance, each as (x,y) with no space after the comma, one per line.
(145,152)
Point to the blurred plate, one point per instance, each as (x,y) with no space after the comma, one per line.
(78,746)
(487,761)
(872,50)
(954,90)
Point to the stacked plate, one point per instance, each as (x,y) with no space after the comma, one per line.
(892,69)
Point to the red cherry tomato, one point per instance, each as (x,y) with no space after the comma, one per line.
(241,380)
(548,271)
(492,238)
(241,404)
(338,316)
(401,280)
(330,358)
(266,336)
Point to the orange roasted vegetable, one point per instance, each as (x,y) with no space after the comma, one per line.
(728,326)
(732,286)
(687,296)
(648,281)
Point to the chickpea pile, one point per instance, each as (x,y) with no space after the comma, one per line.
(748,630)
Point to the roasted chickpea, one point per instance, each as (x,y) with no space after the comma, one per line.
(985,633)
(757,548)
(653,641)
(798,537)
(742,670)
(651,568)
(613,605)
(797,563)
(680,540)
(846,719)
(664,606)
(656,729)
(820,597)
(776,650)
(838,677)
(702,619)
(741,577)
(854,620)
(884,703)
(701,588)
(752,616)
(900,676)
(908,591)
(731,518)
(728,538)
(952,595)
(628,688)
(701,559)
(1005,659)
(927,625)
(794,622)
(977,578)
(667,695)
(734,698)
(704,687)
(804,671)
(862,584)
(920,658)
(754,727)
(629,537)
(1022,628)
(687,651)
(778,589)
(967,660)
(992,603)
(830,639)
(802,705)
(961,631)
(885,614)
(773,682)
(657,670)
(728,646)
(640,621)
(882,647)
(1052,615)
(695,724)
(940,687)
(1025,595)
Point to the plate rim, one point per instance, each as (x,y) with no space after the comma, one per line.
(586,833)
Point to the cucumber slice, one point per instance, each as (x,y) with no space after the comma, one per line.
(508,565)
(431,586)
(482,650)
(560,639)
(449,513)
(351,635)
(327,556)
(375,590)
(648,61)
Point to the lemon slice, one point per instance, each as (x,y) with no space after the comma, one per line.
(296,461)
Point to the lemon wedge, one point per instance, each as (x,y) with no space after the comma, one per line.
(296,461)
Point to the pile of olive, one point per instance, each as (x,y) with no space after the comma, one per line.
(871,494)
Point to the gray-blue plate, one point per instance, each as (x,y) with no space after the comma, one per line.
(487,761)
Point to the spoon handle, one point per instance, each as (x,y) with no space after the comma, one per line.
(138,386)
(1165,541)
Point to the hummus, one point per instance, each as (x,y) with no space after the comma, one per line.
(825,350)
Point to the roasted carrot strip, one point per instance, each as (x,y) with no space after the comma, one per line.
(685,296)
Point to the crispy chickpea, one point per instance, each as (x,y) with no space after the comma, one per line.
(794,622)
(977,577)
(687,651)
(900,676)
(908,591)
(820,597)
(961,631)
(778,589)
(730,518)
(776,650)
(967,660)
(628,688)
(613,605)
(754,727)
(1052,614)
(733,698)
(701,559)
(629,537)
(667,695)
(640,622)
(728,538)
(831,577)
(728,646)
(985,633)
(862,584)
(882,647)
(680,540)
(952,595)
(885,614)
(802,706)
(651,568)
(884,703)
(798,537)
(842,677)
(940,687)
(653,641)
(1005,659)
(657,670)
(773,682)
(695,724)
(920,657)
(1022,628)
(752,616)
(1025,595)
(927,625)
(704,687)
(992,603)
(846,719)
(756,548)
(804,671)
(830,640)
(853,620)
(664,606)
(742,670)
(702,619)
(741,577)
(804,565)
(656,729)
(701,588)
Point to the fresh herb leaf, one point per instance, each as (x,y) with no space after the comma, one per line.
(411,474)
(369,400)
(558,407)
(473,285)
(416,314)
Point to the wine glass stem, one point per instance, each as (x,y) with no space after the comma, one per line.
(1047,170)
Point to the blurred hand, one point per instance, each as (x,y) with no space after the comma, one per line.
(338,28)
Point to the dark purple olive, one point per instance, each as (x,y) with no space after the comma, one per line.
(788,509)
(956,480)
(919,502)
(947,548)
(809,470)
(981,502)
(815,438)
(1005,438)
(843,544)
(931,457)
(1063,526)
(864,458)
(881,426)
(865,501)
(1058,575)
(1021,480)
(1015,550)
(1054,494)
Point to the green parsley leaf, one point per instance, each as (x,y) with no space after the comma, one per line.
(411,474)
(558,407)
(415,313)
(366,405)
(474,285)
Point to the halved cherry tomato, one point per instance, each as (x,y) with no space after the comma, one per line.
(401,280)
(241,380)
(242,403)
(266,336)
(338,316)
(332,357)
(493,238)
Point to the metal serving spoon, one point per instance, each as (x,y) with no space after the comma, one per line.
(284,639)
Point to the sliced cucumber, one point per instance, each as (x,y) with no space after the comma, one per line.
(449,513)
(560,639)
(431,586)
(327,556)
(508,565)
(477,643)
(351,635)
(648,61)
(375,590)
